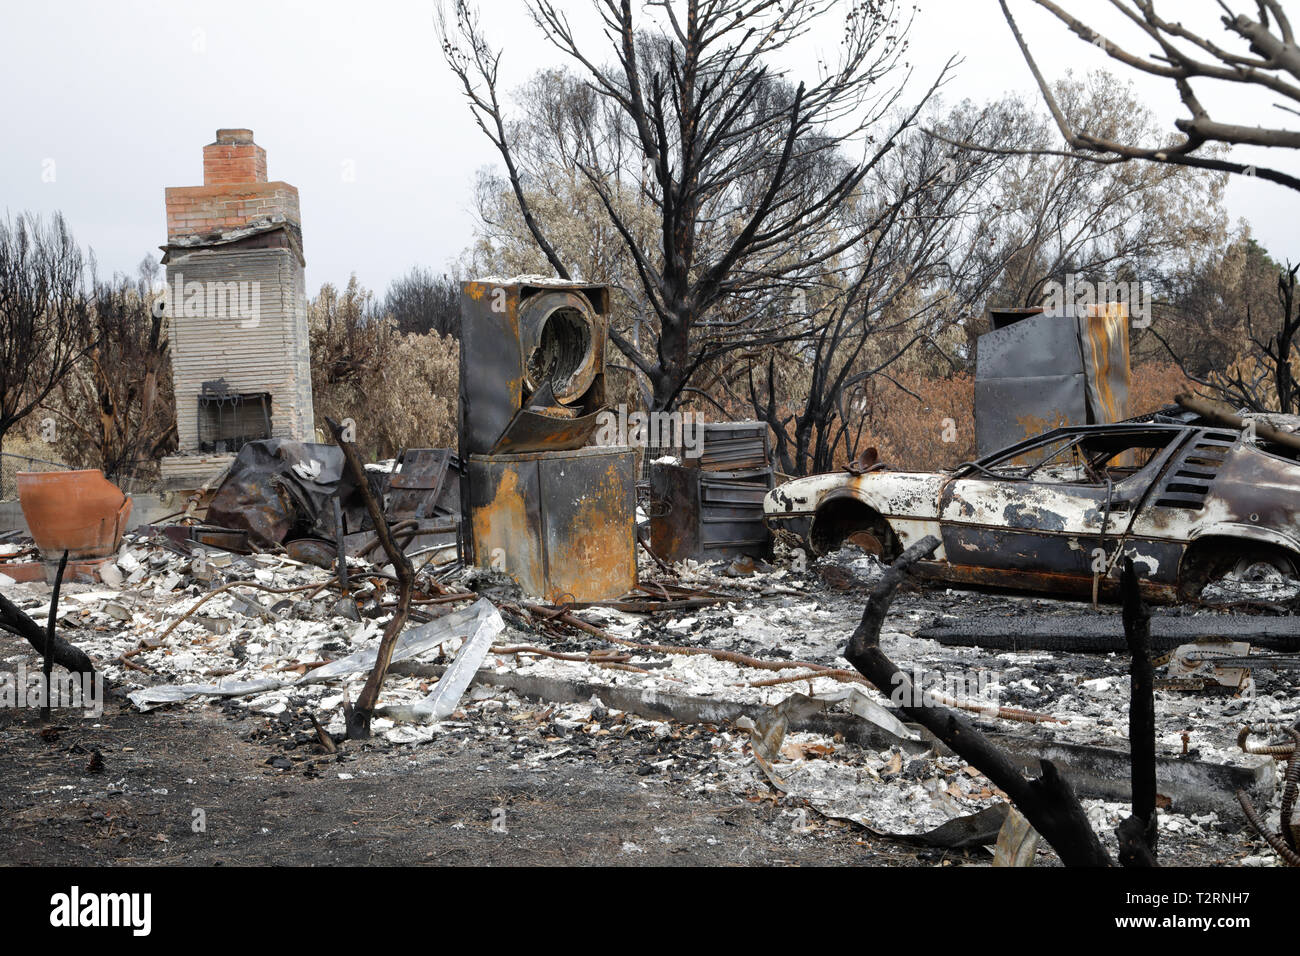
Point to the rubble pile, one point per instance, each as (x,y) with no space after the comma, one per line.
(718,652)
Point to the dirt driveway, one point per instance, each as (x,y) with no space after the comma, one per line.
(212,786)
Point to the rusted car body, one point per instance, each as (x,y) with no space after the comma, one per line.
(1189,503)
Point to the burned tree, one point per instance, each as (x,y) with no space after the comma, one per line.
(45,313)
(743,171)
(1262,379)
(1047,802)
(923,265)
(117,401)
(1269,64)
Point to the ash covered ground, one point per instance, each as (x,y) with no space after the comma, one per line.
(510,777)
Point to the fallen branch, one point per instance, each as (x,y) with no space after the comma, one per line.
(242,584)
(358,716)
(1048,802)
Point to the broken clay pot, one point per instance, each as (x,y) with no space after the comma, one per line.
(80,512)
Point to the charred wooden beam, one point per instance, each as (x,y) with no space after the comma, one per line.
(1138,834)
(1048,802)
(358,717)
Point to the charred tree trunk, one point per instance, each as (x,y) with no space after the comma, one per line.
(68,656)
(358,717)
(1048,803)
(1138,834)
(49,632)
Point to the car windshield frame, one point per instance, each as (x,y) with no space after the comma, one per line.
(987,464)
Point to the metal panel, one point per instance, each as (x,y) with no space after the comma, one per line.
(589,523)
(1104,340)
(674,510)
(706,516)
(562,524)
(506,520)
(529,431)
(1050,369)
(425,485)
(1009,410)
(1041,345)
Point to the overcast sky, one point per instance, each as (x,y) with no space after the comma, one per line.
(114,101)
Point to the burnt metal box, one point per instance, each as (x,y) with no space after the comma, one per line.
(707,515)
(1039,370)
(561,523)
(532,365)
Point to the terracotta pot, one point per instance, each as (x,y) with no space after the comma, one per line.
(80,512)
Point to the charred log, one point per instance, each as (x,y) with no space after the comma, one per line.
(1048,802)
(66,655)
(1138,834)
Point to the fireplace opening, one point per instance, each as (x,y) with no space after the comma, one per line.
(230,420)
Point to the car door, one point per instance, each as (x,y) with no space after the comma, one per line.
(1056,518)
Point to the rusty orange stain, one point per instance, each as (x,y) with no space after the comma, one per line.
(1107,325)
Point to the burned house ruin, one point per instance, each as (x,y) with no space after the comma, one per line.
(238,310)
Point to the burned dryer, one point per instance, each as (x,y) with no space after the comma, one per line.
(540,504)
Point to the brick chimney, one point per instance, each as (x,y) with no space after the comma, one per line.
(235,193)
(237,309)
(233,158)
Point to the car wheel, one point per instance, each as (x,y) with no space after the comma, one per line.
(1245,573)
(841,523)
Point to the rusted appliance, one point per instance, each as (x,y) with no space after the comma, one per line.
(710,508)
(540,505)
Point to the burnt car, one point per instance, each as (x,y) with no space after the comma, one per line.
(1189,502)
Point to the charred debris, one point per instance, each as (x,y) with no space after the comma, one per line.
(532,571)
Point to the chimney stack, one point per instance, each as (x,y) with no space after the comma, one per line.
(233,158)
(235,193)
(237,307)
